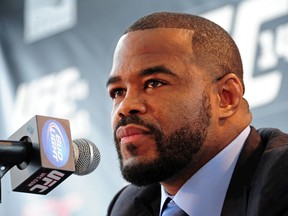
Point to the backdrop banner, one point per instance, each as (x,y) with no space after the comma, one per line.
(56,56)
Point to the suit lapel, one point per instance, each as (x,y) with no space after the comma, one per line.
(148,203)
(238,190)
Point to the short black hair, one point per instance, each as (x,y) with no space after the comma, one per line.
(214,49)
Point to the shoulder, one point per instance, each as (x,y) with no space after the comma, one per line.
(270,184)
(273,138)
(274,160)
(124,201)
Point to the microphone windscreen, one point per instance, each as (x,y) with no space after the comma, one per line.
(87,156)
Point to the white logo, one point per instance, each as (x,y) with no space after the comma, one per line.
(270,45)
(56,94)
(45,18)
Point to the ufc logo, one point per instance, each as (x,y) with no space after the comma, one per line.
(53,177)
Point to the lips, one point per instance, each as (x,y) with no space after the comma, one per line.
(131,133)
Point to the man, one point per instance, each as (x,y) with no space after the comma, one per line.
(181,125)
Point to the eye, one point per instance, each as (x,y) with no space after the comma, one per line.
(118,92)
(152,83)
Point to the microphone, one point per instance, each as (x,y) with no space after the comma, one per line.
(45,156)
(87,156)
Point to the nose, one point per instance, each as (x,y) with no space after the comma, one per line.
(132,104)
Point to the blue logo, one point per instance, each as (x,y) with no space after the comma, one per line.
(55,143)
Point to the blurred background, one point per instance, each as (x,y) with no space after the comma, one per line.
(55,58)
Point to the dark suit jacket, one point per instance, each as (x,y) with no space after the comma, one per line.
(259,184)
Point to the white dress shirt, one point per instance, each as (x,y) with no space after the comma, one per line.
(204,193)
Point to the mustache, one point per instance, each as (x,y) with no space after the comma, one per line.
(133,119)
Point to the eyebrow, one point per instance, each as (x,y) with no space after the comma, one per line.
(146,72)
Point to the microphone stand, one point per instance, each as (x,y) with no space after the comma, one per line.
(13,153)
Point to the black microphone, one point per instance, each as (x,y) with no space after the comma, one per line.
(45,156)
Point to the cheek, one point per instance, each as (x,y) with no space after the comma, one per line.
(177,113)
(114,119)
(173,114)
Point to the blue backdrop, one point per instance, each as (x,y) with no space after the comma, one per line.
(56,55)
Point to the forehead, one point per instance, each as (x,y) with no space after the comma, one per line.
(150,40)
(152,46)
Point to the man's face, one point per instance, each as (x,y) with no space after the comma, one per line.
(161,104)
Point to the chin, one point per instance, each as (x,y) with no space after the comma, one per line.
(135,161)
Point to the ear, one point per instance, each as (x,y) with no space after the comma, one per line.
(230,93)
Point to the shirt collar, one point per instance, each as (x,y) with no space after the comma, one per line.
(204,192)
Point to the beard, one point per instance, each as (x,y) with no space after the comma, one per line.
(175,151)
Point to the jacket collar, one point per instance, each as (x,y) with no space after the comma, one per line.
(238,190)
